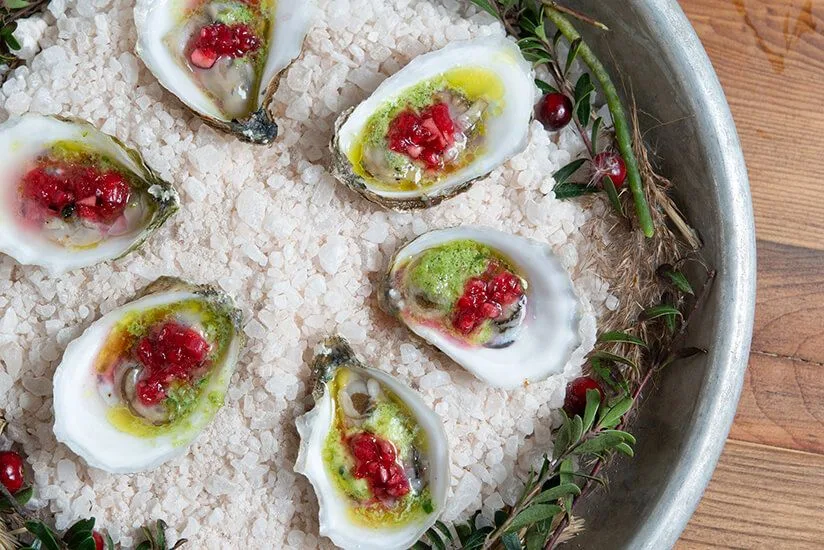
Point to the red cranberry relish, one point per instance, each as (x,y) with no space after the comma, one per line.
(485,297)
(60,188)
(375,461)
(423,136)
(172,354)
(221,40)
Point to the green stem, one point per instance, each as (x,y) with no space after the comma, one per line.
(623,135)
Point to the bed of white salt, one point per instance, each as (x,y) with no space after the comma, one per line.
(301,255)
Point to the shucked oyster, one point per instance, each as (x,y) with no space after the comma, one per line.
(500,305)
(376,456)
(223,58)
(432,129)
(72,196)
(144,380)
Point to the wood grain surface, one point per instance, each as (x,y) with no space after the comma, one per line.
(767,490)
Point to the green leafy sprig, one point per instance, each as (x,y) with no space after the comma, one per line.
(583,444)
(528,21)
(21,528)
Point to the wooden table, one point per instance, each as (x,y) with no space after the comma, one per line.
(768,490)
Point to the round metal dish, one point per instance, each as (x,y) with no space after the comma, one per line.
(681,431)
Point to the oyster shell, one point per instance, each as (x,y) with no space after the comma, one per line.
(446,119)
(375,454)
(500,305)
(229,88)
(138,386)
(60,228)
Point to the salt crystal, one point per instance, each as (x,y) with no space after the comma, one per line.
(195,189)
(352,332)
(434,379)
(332,254)
(251,207)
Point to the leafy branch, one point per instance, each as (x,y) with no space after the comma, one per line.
(585,443)
(527,20)
(22,528)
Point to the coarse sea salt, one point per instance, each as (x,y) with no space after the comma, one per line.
(301,256)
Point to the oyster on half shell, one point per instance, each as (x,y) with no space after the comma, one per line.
(375,454)
(446,119)
(500,305)
(72,196)
(139,385)
(223,58)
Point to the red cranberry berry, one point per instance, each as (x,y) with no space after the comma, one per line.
(98,540)
(555,111)
(612,165)
(575,402)
(11,471)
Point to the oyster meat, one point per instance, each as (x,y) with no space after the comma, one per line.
(223,58)
(375,454)
(144,380)
(500,305)
(446,119)
(72,196)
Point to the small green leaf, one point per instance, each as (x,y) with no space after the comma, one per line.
(626,436)
(562,175)
(565,191)
(604,373)
(593,402)
(435,539)
(614,357)
(563,438)
(610,417)
(533,514)
(663,310)
(8,37)
(464,531)
(545,87)
(677,278)
(574,48)
(621,338)
(22,497)
(625,449)
(444,530)
(598,444)
(145,545)
(486,6)
(109,542)
(15,4)
(45,536)
(511,541)
(535,538)
(577,430)
(683,353)
(596,131)
(557,492)
(500,517)
(557,38)
(583,93)
(79,531)
(612,194)
(161,533)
